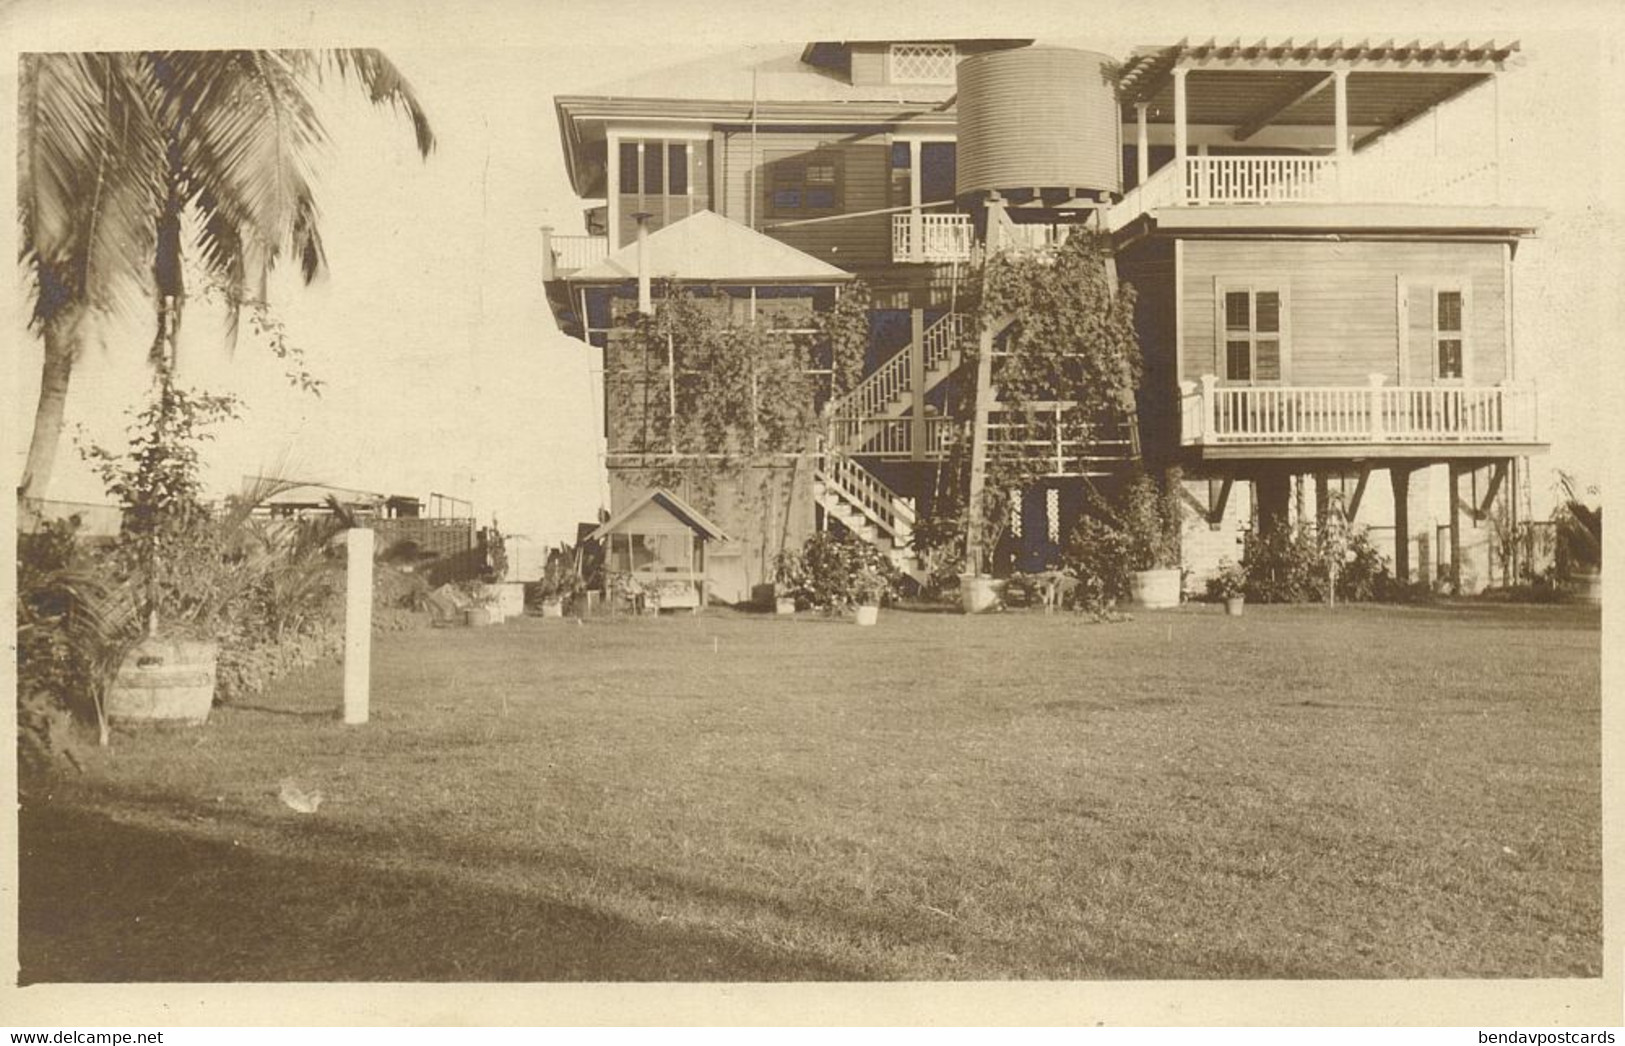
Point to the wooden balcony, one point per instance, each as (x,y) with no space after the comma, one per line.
(1213,180)
(1393,421)
(1048,434)
(563,255)
(924,238)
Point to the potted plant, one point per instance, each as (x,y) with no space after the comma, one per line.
(1579,542)
(480,604)
(869,588)
(1148,520)
(1229,583)
(559,582)
(789,580)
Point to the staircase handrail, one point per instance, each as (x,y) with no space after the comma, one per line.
(892,378)
(862,489)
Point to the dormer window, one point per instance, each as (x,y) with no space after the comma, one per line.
(923,63)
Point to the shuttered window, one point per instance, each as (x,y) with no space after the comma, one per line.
(805,184)
(1253,333)
(1449,334)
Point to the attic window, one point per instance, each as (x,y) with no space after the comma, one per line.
(923,63)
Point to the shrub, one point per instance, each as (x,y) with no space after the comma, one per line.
(1286,566)
(1228,582)
(840,571)
(1135,529)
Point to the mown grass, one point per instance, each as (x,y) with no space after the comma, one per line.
(1297,793)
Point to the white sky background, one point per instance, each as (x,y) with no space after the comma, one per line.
(444,371)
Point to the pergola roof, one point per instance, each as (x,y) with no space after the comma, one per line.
(1247,86)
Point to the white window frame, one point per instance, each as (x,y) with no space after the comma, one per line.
(897,71)
(1463,288)
(1223,286)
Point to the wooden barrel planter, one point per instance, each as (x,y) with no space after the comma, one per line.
(977,593)
(164,681)
(1155,589)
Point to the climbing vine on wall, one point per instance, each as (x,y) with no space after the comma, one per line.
(1065,334)
(691,388)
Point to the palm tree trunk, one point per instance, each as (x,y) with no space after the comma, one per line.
(60,345)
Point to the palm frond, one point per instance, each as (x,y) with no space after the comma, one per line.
(385,85)
(89,166)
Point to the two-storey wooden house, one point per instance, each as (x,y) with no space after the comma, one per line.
(1315,302)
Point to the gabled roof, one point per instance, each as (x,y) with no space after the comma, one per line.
(672,504)
(706,247)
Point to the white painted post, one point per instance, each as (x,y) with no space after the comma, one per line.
(1374,383)
(1181,141)
(357,623)
(916,221)
(1142,145)
(645,298)
(1210,407)
(1340,115)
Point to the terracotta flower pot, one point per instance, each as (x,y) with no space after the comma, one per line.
(784,605)
(868,615)
(1234,604)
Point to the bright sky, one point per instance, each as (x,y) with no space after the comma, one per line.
(444,370)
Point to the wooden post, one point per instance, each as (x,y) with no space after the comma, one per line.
(549,270)
(645,297)
(1511,566)
(1181,132)
(916,380)
(916,221)
(1340,107)
(984,406)
(358,543)
(1400,477)
(1142,144)
(1455,529)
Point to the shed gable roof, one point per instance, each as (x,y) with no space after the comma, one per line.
(673,504)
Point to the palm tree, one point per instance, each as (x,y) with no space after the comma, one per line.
(130,162)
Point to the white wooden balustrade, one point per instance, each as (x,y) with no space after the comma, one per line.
(920,236)
(562,255)
(1216,414)
(859,487)
(1362,178)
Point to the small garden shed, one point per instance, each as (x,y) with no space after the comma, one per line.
(655,548)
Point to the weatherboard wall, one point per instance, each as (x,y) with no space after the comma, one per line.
(1352,309)
(865,173)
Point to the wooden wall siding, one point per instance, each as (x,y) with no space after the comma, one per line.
(1344,308)
(865,186)
(1150,269)
(869,64)
(666,208)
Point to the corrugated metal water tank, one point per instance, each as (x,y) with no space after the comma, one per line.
(1037,117)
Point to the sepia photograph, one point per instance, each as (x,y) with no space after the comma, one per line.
(937,511)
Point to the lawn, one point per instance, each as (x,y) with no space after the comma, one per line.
(1297,793)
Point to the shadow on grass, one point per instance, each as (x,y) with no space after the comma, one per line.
(103,901)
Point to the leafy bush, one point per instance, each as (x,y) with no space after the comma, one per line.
(1228,582)
(1097,554)
(841,571)
(1287,566)
(72,626)
(1135,529)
